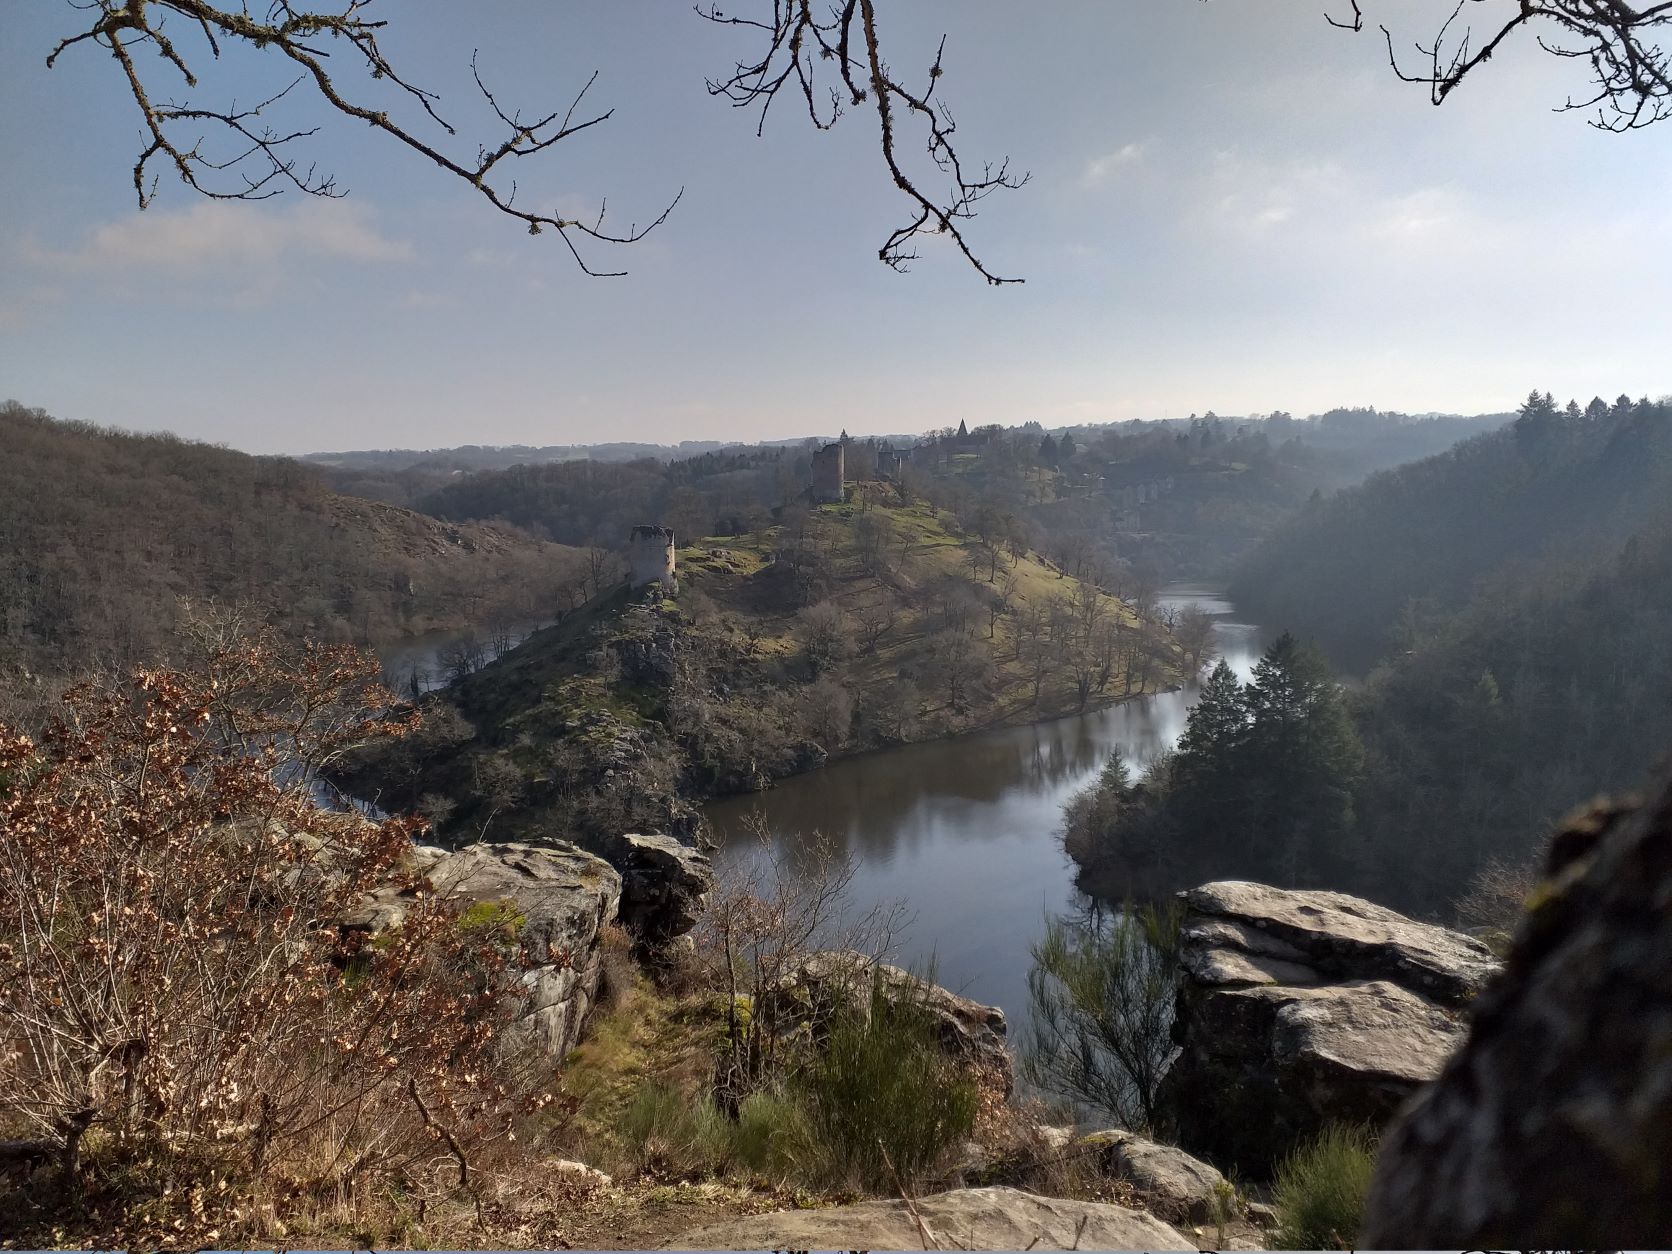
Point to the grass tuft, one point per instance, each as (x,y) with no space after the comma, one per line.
(1320,1189)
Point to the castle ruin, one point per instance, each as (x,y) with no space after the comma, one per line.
(650,557)
(829,474)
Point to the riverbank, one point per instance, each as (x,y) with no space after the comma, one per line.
(868,625)
(966,830)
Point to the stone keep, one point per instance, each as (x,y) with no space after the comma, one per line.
(650,557)
(829,474)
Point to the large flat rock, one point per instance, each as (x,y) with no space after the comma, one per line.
(1337,937)
(963,1219)
(1298,1009)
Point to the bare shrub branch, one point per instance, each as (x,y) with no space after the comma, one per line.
(175,975)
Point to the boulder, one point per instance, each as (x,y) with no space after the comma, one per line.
(1553,1125)
(664,884)
(1169,1182)
(554,896)
(1311,936)
(1297,1009)
(966,1029)
(970,1219)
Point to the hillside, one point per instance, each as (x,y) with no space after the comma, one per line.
(1527,703)
(840,629)
(105,535)
(1516,590)
(1414,543)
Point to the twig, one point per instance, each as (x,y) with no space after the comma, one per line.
(453,1145)
(925,1234)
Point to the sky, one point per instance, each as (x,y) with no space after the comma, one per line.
(1232,207)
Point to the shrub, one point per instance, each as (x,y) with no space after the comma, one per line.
(886,1103)
(666,1130)
(1320,1189)
(618,973)
(173,989)
(1103,994)
(773,1136)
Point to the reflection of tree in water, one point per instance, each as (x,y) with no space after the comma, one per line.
(958,802)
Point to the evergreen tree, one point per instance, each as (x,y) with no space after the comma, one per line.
(1212,761)
(1302,759)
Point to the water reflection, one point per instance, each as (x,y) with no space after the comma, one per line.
(966,831)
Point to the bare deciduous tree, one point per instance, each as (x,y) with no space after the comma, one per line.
(172,973)
(762,922)
(252,160)
(1631,80)
(231,151)
(798,40)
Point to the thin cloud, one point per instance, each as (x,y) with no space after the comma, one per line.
(218,235)
(415,298)
(1101,169)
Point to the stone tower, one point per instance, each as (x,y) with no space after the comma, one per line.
(650,557)
(829,474)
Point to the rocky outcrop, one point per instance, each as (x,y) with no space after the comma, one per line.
(1298,1009)
(553,896)
(967,1029)
(1553,1125)
(967,1219)
(1315,937)
(664,884)
(1169,1182)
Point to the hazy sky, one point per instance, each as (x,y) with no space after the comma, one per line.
(1233,207)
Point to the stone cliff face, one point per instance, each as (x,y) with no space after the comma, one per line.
(561,898)
(1299,1009)
(1553,1125)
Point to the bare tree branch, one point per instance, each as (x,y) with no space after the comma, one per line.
(1630,70)
(258,164)
(798,40)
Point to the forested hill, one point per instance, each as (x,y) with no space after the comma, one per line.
(1375,566)
(104,535)
(1531,700)
(846,627)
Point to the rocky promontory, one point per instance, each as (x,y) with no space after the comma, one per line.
(1301,1008)
(557,899)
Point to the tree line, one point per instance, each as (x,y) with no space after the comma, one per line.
(1525,665)
(106,537)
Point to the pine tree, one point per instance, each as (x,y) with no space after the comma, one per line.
(1211,767)
(1303,760)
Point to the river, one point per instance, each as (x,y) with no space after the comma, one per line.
(966,832)
(419,664)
